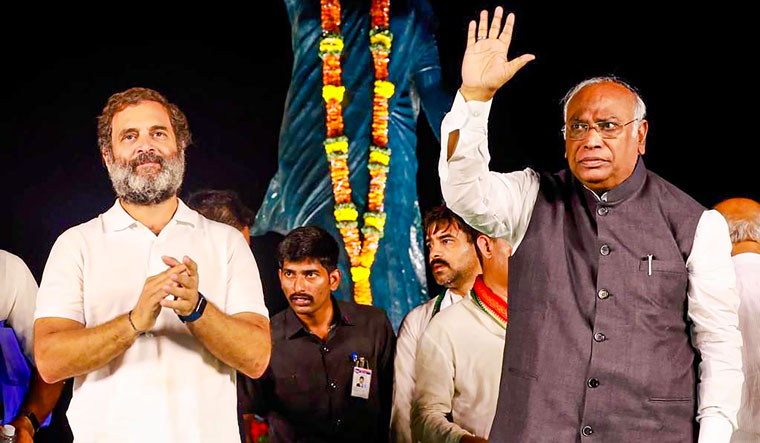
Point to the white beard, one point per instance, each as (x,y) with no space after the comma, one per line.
(148,188)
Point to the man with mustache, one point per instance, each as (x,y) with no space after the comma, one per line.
(612,268)
(454,262)
(150,307)
(458,364)
(321,347)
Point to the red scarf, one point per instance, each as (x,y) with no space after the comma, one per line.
(489,302)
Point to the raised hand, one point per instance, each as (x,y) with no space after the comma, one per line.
(485,67)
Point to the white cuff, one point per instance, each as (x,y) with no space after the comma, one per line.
(715,429)
(470,114)
(467,115)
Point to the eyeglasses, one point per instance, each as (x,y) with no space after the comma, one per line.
(606,129)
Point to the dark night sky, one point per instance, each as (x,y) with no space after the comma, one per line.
(229,73)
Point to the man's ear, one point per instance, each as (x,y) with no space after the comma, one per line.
(106,158)
(335,276)
(483,243)
(641,136)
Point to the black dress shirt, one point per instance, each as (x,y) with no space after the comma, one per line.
(306,391)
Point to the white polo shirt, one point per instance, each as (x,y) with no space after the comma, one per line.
(166,387)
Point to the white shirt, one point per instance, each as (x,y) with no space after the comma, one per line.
(748,284)
(501,205)
(458,371)
(166,387)
(18,291)
(412,327)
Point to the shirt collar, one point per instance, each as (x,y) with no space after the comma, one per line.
(117,219)
(294,326)
(622,191)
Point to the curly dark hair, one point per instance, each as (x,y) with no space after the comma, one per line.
(309,243)
(441,217)
(120,100)
(222,206)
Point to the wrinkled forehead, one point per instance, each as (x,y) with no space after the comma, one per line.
(602,100)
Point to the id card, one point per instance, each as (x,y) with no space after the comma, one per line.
(361,382)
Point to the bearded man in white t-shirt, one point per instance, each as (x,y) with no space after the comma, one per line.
(150,306)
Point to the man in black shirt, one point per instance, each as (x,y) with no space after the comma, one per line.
(321,347)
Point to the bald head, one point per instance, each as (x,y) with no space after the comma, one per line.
(743,217)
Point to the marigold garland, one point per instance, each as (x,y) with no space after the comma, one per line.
(361,248)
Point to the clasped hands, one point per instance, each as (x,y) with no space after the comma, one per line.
(179,280)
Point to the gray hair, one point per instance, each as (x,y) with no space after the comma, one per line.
(744,228)
(639,108)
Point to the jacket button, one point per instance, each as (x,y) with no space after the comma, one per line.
(593,383)
(602,210)
(587,430)
(332,385)
(324,349)
(603,293)
(599,337)
(604,250)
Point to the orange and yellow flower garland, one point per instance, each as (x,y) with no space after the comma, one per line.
(361,253)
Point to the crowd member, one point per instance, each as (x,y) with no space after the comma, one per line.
(151,307)
(18,292)
(612,268)
(459,355)
(454,263)
(321,347)
(223,207)
(743,217)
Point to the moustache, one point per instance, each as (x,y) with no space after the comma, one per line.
(301,295)
(146,157)
(438,261)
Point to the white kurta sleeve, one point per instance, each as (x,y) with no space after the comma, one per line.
(495,203)
(434,391)
(713,305)
(403,373)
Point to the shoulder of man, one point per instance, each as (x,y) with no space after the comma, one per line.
(456,310)
(370,318)
(277,322)
(672,196)
(418,317)
(79,233)
(452,319)
(11,262)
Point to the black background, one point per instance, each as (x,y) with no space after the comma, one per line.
(228,69)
